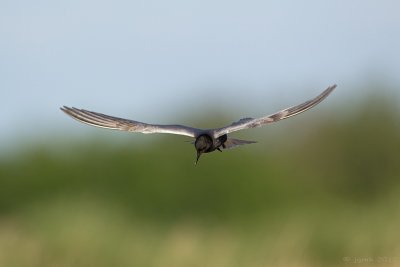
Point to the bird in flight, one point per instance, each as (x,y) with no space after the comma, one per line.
(205,140)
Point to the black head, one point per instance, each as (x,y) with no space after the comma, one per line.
(203,144)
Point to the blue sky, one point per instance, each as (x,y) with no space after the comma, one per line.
(158,61)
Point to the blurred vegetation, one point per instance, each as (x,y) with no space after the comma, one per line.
(321,189)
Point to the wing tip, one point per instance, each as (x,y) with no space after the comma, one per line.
(65,109)
(331,88)
(325,93)
(69,110)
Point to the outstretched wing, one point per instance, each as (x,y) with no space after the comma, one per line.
(280,115)
(115,123)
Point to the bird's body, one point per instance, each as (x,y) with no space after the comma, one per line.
(206,140)
(206,143)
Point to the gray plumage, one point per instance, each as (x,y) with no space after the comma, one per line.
(247,123)
(215,138)
(115,123)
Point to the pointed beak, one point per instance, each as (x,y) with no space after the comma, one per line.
(198,156)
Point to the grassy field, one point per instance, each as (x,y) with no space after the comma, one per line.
(321,190)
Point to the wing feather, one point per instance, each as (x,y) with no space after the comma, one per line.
(115,123)
(280,115)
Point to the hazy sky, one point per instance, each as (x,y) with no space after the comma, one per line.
(159,60)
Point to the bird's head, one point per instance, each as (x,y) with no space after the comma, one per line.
(203,144)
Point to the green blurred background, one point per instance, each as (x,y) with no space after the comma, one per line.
(321,189)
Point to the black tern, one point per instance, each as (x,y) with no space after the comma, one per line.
(205,140)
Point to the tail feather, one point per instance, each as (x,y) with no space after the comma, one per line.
(232,143)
